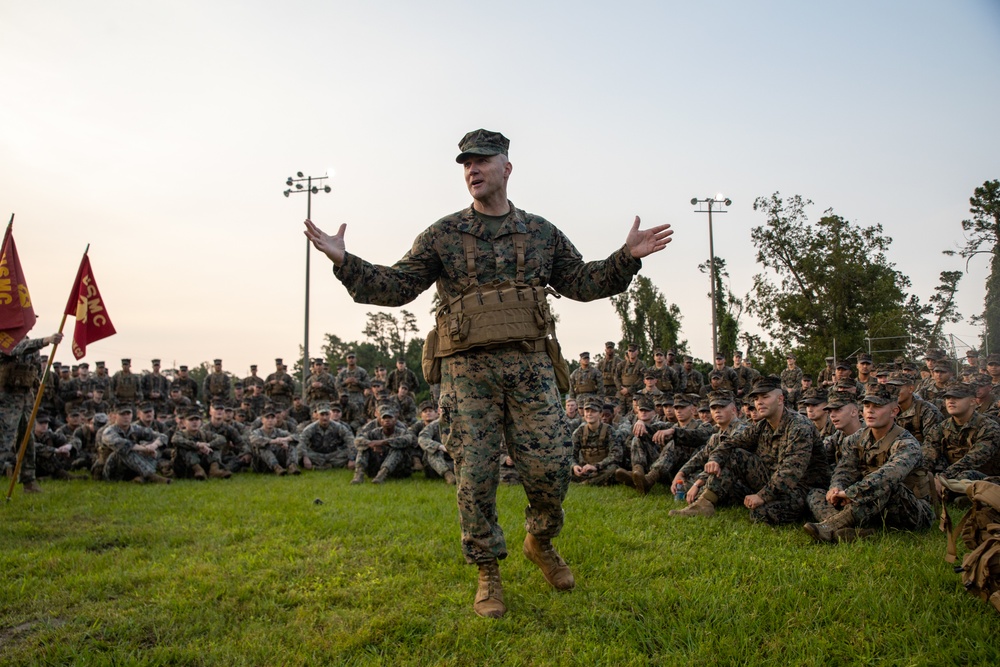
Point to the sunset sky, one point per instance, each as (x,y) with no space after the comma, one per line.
(161,133)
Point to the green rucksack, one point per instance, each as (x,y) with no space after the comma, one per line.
(980,530)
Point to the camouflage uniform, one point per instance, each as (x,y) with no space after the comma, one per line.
(329,447)
(188,388)
(779,465)
(126,388)
(187,455)
(235,451)
(394,457)
(430,442)
(397,377)
(47,462)
(920,419)
(216,388)
(601,448)
(969,451)
(120,462)
(791,378)
(19,373)
(872,473)
(667,380)
(687,440)
(629,376)
(325,393)
(267,456)
(159,384)
(693,468)
(355,392)
(279,387)
(585,383)
(504,394)
(609,371)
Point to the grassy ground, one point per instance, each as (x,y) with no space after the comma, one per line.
(253,571)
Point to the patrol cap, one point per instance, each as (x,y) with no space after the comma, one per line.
(182,367)
(99,364)
(738,353)
(279,362)
(217,362)
(253,367)
(585,355)
(959,390)
(899,378)
(667,399)
(681,400)
(126,362)
(719,355)
(74,413)
(993,360)
(716,374)
(703,406)
(218,405)
(814,396)
(268,411)
(322,407)
(933,355)
(650,376)
(972,352)
(764,385)
(83,364)
(864,358)
(672,351)
(155,362)
(386,410)
(843,365)
(350,354)
(882,371)
(122,409)
(980,380)
(65,369)
(721,398)
(880,394)
(238,385)
(42,418)
(100,419)
(146,407)
(632,347)
(610,344)
(643,402)
(687,357)
(657,352)
(660,400)
(790,355)
(241,413)
(98,388)
(839,399)
(428,405)
(829,359)
(942,365)
(482,142)
(193,414)
(593,404)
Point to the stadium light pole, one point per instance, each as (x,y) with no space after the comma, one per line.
(310,190)
(711,202)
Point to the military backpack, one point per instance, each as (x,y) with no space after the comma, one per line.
(980,530)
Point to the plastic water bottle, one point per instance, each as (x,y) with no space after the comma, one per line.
(679,492)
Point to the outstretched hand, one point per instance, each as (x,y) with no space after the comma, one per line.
(331,246)
(644,242)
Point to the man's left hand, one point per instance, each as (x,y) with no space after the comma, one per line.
(752,502)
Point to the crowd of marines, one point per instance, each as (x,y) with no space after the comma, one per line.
(153,428)
(856,448)
(848,452)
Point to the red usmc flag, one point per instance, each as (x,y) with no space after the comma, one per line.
(92,321)
(16,314)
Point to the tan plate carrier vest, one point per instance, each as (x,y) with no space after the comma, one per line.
(919,481)
(496,313)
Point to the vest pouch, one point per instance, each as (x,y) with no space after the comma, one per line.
(430,362)
(559,364)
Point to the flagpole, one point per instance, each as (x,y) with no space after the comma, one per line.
(38,401)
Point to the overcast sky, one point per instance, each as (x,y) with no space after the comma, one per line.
(162,133)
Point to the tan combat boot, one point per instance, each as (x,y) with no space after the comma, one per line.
(380,477)
(541,552)
(216,472)
(825,531)
(623,476)
(32,487)
(293,469)
(158,479)
(199,472)
(359,476)
(278,470)
(449,477)
(650,480)
(489,595)
(703,506)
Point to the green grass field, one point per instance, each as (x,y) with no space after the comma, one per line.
(252,571)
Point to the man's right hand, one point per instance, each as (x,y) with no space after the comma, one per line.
(331,246)
(713,468)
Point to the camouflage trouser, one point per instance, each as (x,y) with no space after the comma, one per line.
(643,451)
(605,478)
(184,461)
(15,409)
(745,474)
(50,464)
(894,506)
(326,460)
(397,462)
(438,463)
(493,397)
(266,458)
(126,465)
(671,458)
